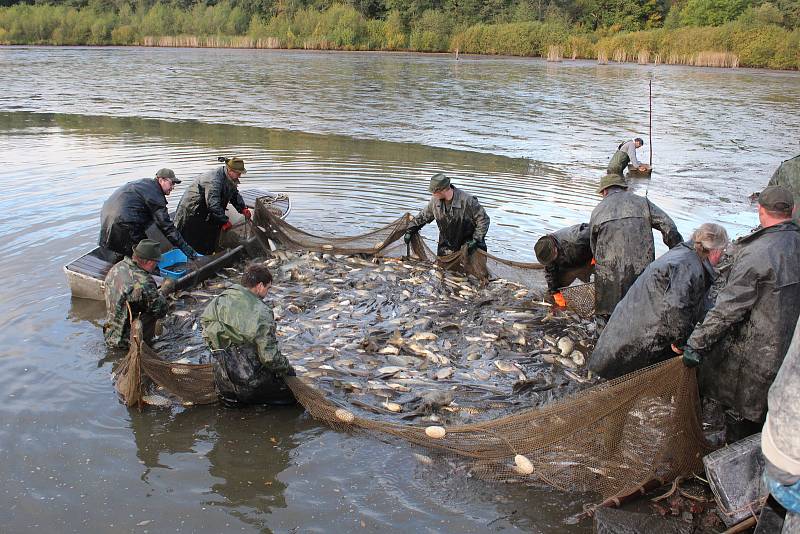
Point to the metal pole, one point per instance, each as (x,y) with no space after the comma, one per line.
(651,123)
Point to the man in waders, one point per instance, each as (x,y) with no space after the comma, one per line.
(626,155)
(566,255)
(201,212)
(743,339)
(131,292)
(132,208)
(460,218)
(239,327)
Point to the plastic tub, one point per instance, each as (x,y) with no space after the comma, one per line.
(169,261)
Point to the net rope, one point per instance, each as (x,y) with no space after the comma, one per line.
(614,439)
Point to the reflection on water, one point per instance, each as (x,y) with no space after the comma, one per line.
(376,127)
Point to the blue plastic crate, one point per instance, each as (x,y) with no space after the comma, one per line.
(169,259)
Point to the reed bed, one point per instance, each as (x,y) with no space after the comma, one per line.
(555,53)
(643,57)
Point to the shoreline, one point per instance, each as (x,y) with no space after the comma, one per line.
(456,56)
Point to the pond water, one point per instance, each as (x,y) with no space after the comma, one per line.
(353,138)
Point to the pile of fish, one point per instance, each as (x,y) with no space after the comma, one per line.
(405,340)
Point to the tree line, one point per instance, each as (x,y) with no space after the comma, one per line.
(758,33)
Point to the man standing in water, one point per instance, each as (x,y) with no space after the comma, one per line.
(201,212)
(459,215)
(621,237)
(743,339)
(131,292)
(132,208)
(239,328)
(625,155)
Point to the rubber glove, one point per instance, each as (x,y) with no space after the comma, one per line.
(558,298)
(691,358)
(472,246)
(227,226)
(408,236)
(167,287)
(247,213)
(291,372)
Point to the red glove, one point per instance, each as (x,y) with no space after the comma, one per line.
(227,226)
(247,214)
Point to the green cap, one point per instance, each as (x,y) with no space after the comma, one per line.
(168,174)
(776,198)
(438,182)
(610,180)
(546,249)
(147,249)
(236,164)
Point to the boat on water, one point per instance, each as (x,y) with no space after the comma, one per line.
(86,274)
(634,172)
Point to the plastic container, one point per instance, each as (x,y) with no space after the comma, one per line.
(168,262)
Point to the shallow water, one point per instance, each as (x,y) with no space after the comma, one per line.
(352,138)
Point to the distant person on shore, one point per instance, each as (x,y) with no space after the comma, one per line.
(566,255)
(459,215)
(621,237)
(131,292)
(201,212)
(239,328)
(132,208)
(626,155)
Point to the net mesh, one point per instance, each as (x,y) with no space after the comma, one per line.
(614,439)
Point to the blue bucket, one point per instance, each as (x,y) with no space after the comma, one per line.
(170,258)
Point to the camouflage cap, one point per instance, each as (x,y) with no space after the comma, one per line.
(545,249)
(168,174)
(610,180)
(147,249)
(236,164)
(776,198)
(438,182)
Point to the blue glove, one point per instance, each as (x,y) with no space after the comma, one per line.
(291,372)
(691,358)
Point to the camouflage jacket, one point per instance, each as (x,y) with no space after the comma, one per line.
(208,197)
(129,284)
(744,337)
(788,175)
(462,220)
(238,317)
(621,238)
(573,251)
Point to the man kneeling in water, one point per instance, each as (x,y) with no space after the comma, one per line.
(240,330)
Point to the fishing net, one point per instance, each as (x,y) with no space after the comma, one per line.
(580,298)
(619,438)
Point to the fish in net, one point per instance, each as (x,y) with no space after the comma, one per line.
(614,439)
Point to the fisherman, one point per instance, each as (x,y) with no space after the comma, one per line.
(621,239)
(625,155)
(780,437)
(239,327)
(566,255)
(743,339)
(788,176)
(131,292)
(132,208)
(661,307)
(201,212)
(459,215)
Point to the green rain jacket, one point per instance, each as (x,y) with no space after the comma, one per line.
(129,284)
(238,317)
(788,175)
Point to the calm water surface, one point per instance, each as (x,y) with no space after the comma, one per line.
(352,138)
